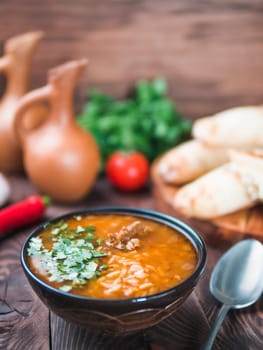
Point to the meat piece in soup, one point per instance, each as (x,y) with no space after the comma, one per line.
(128,236)
(111,256)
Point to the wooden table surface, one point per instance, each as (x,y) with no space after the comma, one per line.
(25,323)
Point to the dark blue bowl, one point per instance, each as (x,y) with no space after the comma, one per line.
(125,315)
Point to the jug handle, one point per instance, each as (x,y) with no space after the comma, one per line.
(36,96)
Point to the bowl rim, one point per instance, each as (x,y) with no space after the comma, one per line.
(194,237)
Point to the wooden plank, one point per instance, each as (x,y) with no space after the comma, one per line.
(179,330)
(24,320)
(210,52)
(187,328)
(242,329)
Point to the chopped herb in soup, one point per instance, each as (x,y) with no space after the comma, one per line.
(111,256)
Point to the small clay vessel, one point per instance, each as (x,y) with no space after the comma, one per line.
(15,63)
(60,158)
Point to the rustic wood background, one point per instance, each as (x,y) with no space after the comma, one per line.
(209,51)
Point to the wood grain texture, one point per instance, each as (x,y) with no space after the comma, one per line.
(211,54)
(210,51)
(179,329)
(25,322)
(23,319)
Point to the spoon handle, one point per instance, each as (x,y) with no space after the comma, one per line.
(220,318)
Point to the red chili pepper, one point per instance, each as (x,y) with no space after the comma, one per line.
(22,213)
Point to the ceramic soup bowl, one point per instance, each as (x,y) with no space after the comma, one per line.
(118,315)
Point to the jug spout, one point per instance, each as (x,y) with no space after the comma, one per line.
(66,75)
(23,43)
(19,50)
(15,64)
(62,81)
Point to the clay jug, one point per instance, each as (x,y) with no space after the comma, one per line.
(60,158)
(15,64)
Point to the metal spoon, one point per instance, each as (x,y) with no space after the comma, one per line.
(237,280)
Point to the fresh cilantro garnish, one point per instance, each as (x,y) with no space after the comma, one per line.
(65,288)
(99,241)
(90,236)
(90,229)
(80,229)
(35,247)
(73,256)
(59,227)
(103,267)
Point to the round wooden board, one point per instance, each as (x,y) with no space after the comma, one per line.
(223,230)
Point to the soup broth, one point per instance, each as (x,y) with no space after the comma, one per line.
(111,256)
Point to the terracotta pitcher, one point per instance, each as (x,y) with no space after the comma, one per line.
(60,158)
(15,63)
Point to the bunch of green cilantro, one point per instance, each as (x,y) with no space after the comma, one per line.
(147,122)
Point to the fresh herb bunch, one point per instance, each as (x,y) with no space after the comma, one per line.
(74,257)
(147,122)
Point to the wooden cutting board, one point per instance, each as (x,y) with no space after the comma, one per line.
(223,230)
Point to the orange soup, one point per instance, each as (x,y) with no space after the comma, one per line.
(111,256)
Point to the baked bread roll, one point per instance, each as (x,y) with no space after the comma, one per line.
(231,187)
(236,127)
(190,160)
(252,158)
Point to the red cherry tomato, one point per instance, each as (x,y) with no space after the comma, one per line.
(127,171)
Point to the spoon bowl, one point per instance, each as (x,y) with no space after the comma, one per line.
(237,280)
